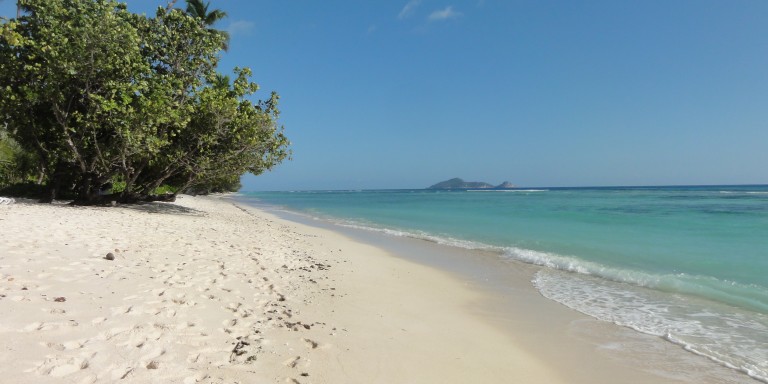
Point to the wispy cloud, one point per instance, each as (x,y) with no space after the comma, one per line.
(408,9)
(444,14)
(240,27)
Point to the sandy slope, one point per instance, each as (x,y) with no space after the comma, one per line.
(206,291)
(203,291)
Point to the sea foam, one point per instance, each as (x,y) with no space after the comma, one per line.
(728,335)
(680,245)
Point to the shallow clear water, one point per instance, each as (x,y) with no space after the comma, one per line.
(685,263)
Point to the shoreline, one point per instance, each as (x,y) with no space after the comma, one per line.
(507,286)
(208,290)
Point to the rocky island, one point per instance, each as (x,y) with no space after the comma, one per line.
(457,183)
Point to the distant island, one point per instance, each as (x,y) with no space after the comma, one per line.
(457,183)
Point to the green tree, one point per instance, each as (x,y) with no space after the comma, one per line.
(70,86)
(16,165)
(199,9)
(7,31)
(100,94)
(242,135)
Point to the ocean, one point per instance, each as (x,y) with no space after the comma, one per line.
(687,264)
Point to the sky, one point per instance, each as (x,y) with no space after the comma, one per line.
(404,94)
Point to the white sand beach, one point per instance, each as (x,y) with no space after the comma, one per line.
(206,291)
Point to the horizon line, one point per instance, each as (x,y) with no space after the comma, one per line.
(515,188)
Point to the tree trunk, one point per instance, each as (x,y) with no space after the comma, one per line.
(130,180)
(40,177)
(52,192)
(89,189)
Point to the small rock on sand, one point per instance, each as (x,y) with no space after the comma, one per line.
(110,256)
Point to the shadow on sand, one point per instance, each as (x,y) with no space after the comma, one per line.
(163,208)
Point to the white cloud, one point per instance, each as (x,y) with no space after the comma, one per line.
(240,27)
(408,9)
(444,14)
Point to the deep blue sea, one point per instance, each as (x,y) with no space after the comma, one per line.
(688,264)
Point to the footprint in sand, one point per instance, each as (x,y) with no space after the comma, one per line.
(90,379)
(110,334)
(121,373)
(229,323)
(98,320)
(244,313)
(61,366)
(184,325)
(74,344)
(127,309)
(292,362)
(311,343)
(167,312)
(56,346)
(183,301)
(153,355)
(69,345)
(200,377)
(234,306)
(193,357)
(38,326)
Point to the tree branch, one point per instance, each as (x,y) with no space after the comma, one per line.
(170,5)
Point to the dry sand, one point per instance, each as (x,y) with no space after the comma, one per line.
(206,291)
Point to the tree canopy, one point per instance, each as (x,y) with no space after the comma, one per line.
(101,95)
(199,10)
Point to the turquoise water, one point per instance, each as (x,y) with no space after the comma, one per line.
(688,264)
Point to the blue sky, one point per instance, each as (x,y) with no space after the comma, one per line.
(403,94)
